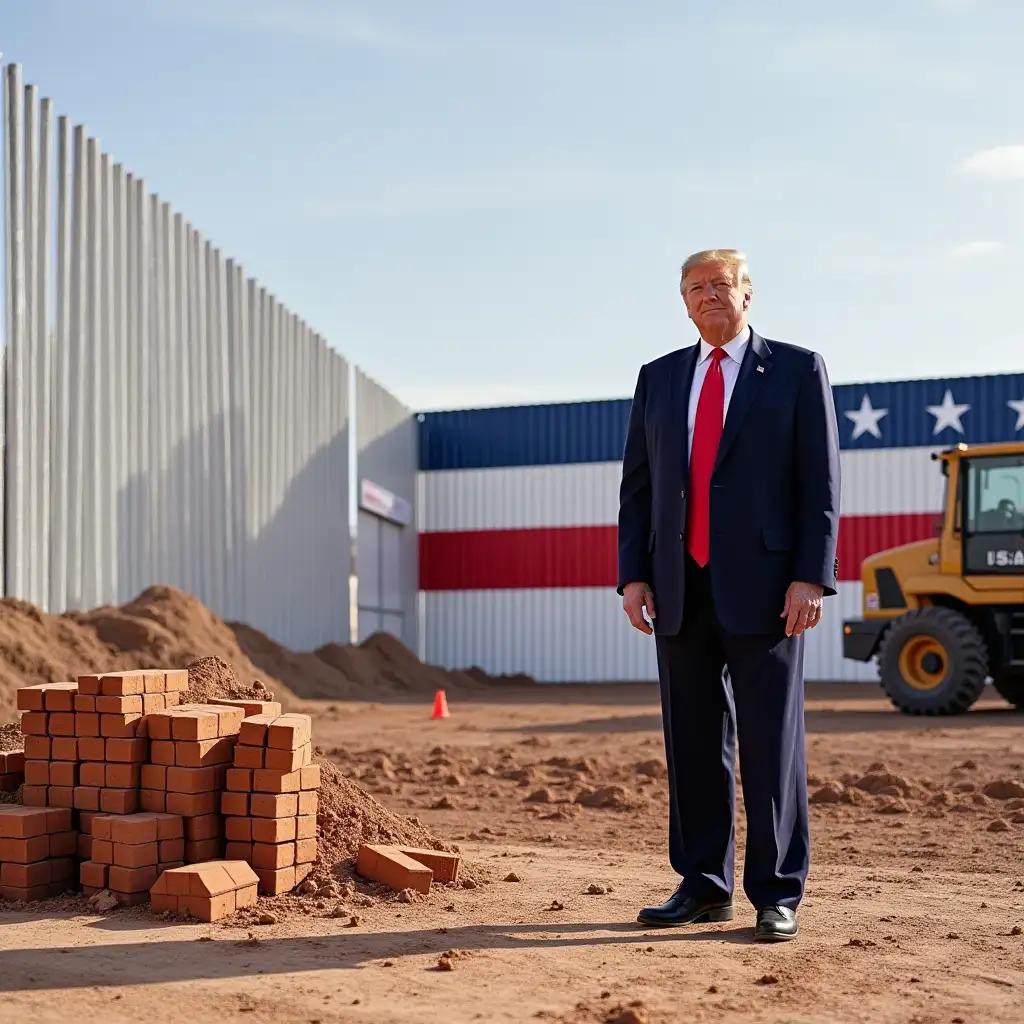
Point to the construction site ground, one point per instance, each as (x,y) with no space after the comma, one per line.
(556,797)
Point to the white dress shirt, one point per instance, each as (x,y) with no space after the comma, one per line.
(730,371)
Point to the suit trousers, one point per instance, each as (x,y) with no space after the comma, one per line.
(717,686)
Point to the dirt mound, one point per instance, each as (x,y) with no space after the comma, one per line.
(210,678)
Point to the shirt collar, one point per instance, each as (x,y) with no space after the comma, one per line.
(733,349)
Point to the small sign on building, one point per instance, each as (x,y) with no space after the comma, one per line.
(381,502)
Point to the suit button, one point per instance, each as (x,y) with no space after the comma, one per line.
(680,536)
(682,493)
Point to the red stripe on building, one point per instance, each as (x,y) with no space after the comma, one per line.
(586,556)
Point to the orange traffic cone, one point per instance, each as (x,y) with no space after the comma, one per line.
(440,705)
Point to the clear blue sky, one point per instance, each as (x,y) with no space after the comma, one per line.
(483,202)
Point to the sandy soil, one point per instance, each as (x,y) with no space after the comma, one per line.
(914,912)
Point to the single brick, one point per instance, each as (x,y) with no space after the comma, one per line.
(102,826)
(34,796)
(84,846)
(208,908)
(172,850)
(11,782)
(309,803)
(311,777)
(247,895)
(158,723)
(63,844)
(154,681)
(274,805)
(87,723)
(58,819)
(85,702)
(249,757)
(119,705)
(196,780)
(200,753)
(161,752)
(12,761)
(86,820)
(305,827)
(61,723)
(305,851)
(65,748)
(234,803)
(154,702)
(270,708)
(239,830)
(86,798)
(273,830)
(25,851)
(134,751)
(130,899)
(152,800)
(64,773)
(131,880)
(169,826)
(195,725)
(161,903)
(210,880)
(60,796)
(34,723)
(273,856)
(121,726)
(102,851)
(122,684)
(119,801)
(253,730)
(266,780)
(273,883)
(37,773)
(154,776)
(20,894)
(288,760)
(445,866)
(172,700)
(38,748)
(239,780)
(30,698)
(289,732)
(230,718)
(177,679)
(204,826)
(63,869)
(135,829)
(142,855)
(92,748)
(391,867)
(190,805)
(94,874)
(93,774)
(238,850)
(26,875)
(123,776)
(90,684)
(199,850)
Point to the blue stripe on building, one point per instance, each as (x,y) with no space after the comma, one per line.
(897,414)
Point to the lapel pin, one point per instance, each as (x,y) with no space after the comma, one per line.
(760,369)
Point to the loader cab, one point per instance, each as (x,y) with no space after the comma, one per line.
(992,499)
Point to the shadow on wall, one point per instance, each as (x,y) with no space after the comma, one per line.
(286,576)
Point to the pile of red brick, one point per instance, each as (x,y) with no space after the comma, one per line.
(37,852)
(143,782)
(12,770)
(271,800)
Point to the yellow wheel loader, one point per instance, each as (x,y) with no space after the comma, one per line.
(943,616)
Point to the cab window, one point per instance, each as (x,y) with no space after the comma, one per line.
(995,494)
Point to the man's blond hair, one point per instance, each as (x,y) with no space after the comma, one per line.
(729,257)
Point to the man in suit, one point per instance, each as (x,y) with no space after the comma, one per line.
(728,519)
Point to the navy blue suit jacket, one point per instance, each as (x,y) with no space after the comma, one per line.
(774,488)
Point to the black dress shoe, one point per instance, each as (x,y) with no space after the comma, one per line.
(681,909)
(776,924)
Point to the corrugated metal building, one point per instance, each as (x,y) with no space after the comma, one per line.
(517,510)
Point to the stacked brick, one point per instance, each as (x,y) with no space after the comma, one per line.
(111,722)
(37,852)
(129,853)
(270,804)
(207,891)
(191,749)
(12,770)
(51,749)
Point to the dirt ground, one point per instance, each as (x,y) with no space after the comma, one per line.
(914,912)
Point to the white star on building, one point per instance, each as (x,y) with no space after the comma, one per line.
(865,419)
(1018,407)
(948,414)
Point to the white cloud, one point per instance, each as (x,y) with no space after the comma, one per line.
(976,250)
(1001,163)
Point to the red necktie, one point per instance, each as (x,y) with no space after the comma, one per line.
(707,432)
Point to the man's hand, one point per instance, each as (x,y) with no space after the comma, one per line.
(802,609)
(635,598)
